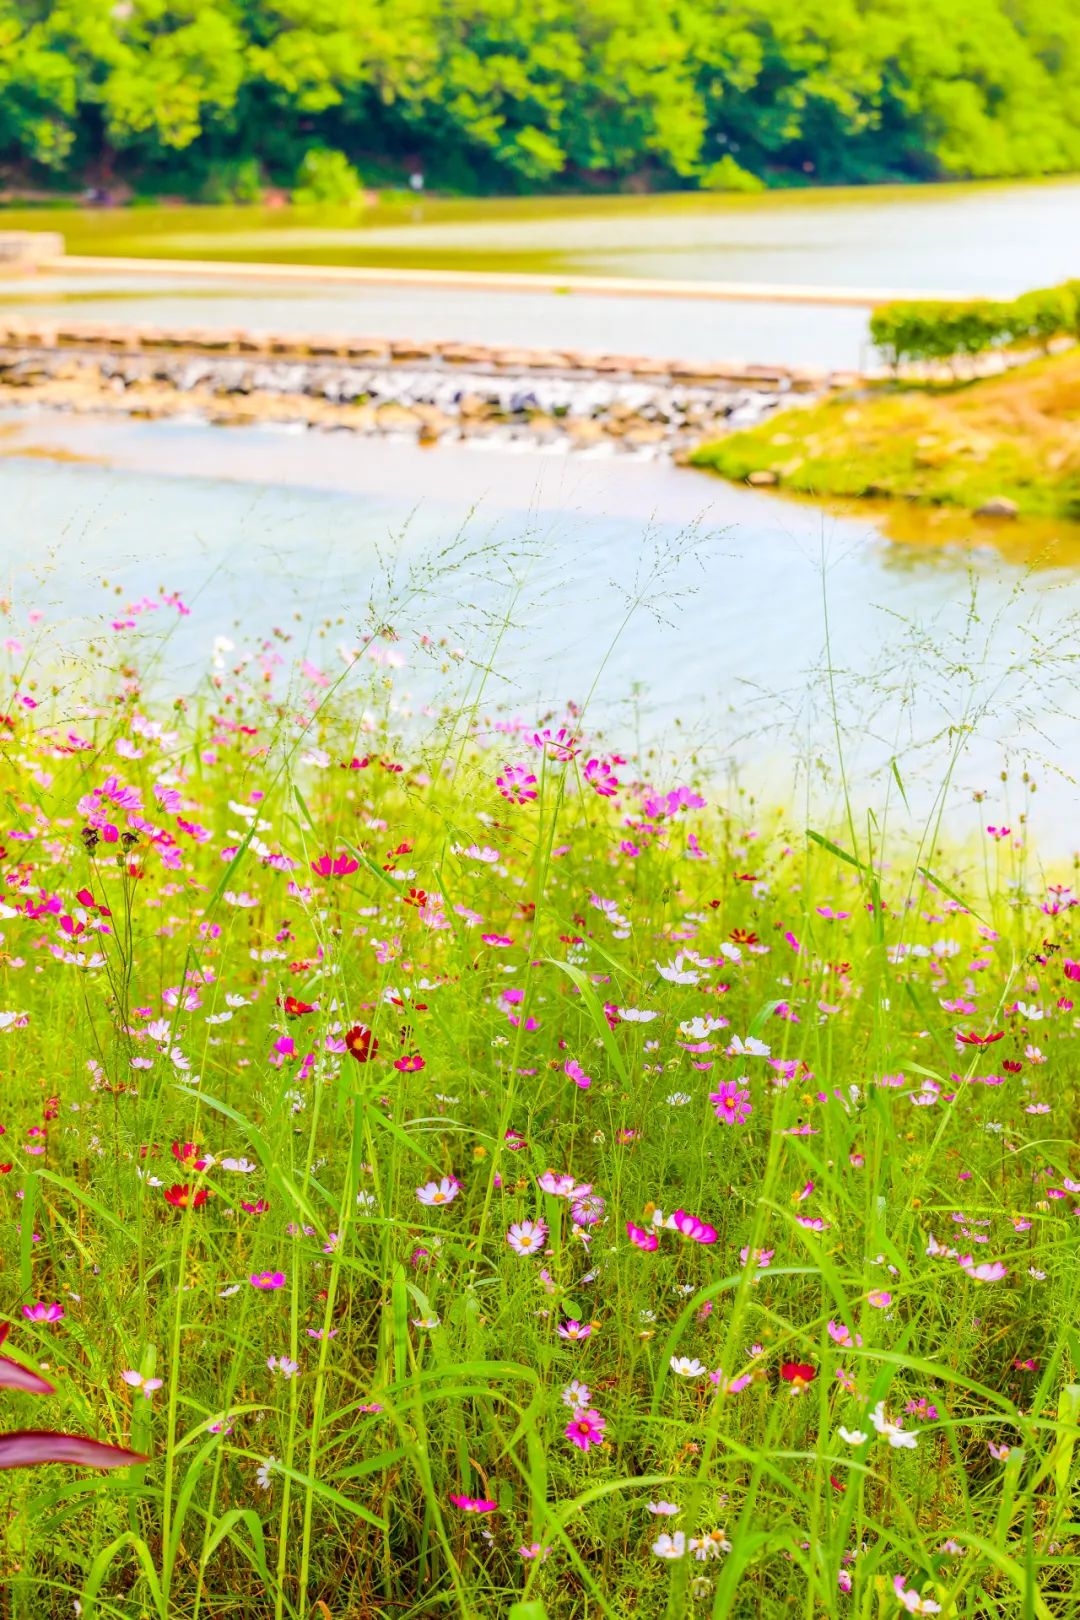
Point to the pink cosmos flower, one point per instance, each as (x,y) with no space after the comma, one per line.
(912,1601)
(527,1237)
(267,1280)
(574,1332)
(577,1074)
(601,778)
(842,1335)
(335,866)
(41,1312)
(879,1298)
(586,1428)
(517,783)
(731,1102)
(642,1239)
(473,1504)
(988,1271)
(691,1227)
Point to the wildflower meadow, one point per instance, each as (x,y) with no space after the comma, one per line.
(471,1170)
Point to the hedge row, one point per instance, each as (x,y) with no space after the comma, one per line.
(929,330)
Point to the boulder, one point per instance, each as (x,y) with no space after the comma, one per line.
(998,506)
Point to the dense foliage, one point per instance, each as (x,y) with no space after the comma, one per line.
(182,95)
(929,329)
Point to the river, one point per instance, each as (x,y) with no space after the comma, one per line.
(938,627)
(992,239)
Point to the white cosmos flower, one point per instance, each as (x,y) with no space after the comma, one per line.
(904,1439)
(436,1193)
(670,1546)
(853,1437)
(751,1047)
(687,1366)
(636,1015)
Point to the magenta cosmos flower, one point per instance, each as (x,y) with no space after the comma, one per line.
(731,1102)
(267,1280)
(640,1238)
(585,1429)
(517,783)
(41,1312)
(473,1504)
(691,1227)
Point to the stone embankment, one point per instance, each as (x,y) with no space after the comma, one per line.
(370,385)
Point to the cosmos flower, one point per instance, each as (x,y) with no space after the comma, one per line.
(40,1311)
(585,1429)
(435,1194)
(473,1504)
(361,1044)
(670,1546)
(267,1281)
(527,1237)
(894,1433)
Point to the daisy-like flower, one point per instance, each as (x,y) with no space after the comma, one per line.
(267,1280)
(534,1549)
(987,1271)
(670,1546)
(576,1395)
(691,1227)
(434,1194)
(516,783)
(642,1239)
(562,1186)
(145,1386)
(473,1504)
(426,1323)
(731,1103)
(40,1311)
(663,1510)
(361,1044)
(586,1428)
(282,1365)
(574,1331)
(527,1237)
(894,1433)
(913,1602)
(264,1471)
(852,1437)
(687,1366)
(710,1545)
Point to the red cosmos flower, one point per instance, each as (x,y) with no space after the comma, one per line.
(415,897)
(1012,1066)
(1071,970)
(969,1038)
(410,1064)
(356,764)
(335,866)
(294,1008)
(361,1044)
(799,1374)
(185,1197)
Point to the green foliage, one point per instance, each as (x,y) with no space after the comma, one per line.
(326,177)
(233,181)
(928,329)
(493,93)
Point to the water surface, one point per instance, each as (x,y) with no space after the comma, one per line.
(723,661)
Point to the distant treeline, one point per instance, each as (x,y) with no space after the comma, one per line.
(219,97)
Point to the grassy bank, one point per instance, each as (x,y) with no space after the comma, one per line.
(1015,436)
(474,1170)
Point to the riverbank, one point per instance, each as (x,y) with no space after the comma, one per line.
(1000,446)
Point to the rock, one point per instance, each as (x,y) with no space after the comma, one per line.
(998,506)
(762,478)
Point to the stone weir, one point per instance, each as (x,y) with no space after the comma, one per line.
(370,385)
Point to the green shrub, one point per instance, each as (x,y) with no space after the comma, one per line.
(929,329)
(233,181)
(326,176)
(727,175)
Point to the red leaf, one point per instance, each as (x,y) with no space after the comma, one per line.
(27,1447)
(15,1376)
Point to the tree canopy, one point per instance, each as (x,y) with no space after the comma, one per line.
(524,94)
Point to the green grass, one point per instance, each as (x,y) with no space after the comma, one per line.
(1016,436)
(164,1021)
